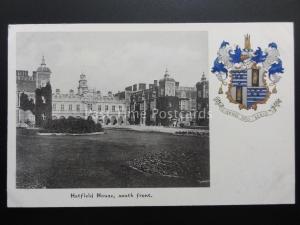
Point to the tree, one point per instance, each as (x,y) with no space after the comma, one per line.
(43,106)
(71,125)
(26,103)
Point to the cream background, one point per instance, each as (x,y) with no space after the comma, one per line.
(251,163)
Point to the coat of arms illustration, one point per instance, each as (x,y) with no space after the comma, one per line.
(249,76)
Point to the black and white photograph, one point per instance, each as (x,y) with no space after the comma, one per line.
(112,109)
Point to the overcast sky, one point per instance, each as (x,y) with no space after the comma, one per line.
(114,60)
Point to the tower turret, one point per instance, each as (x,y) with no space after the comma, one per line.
(203,78)
(167,85)
(42,74)
(82,87)
(202,101)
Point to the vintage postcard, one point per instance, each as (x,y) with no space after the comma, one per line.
(150,114)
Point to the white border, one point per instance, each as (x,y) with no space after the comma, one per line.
(261,172)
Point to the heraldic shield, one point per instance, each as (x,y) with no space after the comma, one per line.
(248,87)
(248,73)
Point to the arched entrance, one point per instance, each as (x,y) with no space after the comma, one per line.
(114,120)
(120,120)
(106,120)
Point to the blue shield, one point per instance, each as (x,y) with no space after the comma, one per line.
(248,88)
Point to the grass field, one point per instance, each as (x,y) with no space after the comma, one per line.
(102,161)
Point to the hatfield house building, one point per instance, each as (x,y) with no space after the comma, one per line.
(167,103)
(106,109)
(34,96)
(164,102)
(33,105)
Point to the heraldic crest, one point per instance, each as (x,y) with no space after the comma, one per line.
(250,75)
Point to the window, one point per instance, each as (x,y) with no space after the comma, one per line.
(70,107)
(78,108)
(106,107)
(90,107)
(99,108)
(62,107)
(43,99)
(182,105)
(54,107)
(199,94)
(120,108)
(206,93)
(113,108)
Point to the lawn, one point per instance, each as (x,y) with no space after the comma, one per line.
(104,161)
